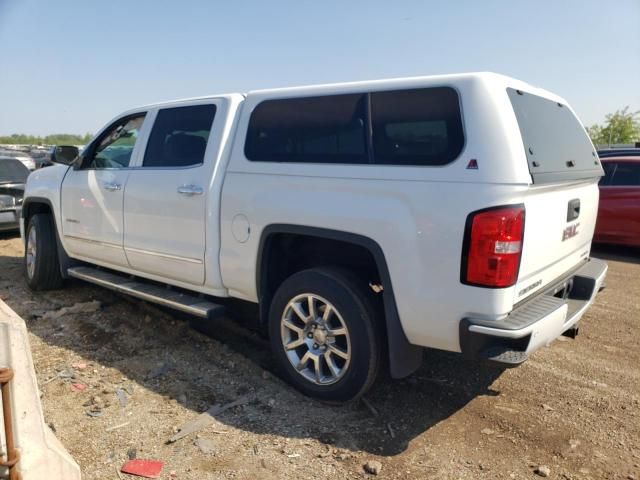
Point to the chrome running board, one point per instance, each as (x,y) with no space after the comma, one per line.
(184,302)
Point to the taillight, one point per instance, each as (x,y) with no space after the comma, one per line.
(493,247)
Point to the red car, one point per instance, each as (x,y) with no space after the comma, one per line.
(619,212)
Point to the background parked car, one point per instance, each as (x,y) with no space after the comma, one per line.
(23,157)
(13,176)
(41,157)
(619,213)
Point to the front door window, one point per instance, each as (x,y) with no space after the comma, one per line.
(115,147)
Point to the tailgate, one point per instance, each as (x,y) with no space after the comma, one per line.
(559,226)
(562,203)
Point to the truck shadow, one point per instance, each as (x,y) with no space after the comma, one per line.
(402,409)
(159,350)
(10,234)
(618,253)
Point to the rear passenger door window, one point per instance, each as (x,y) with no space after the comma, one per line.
(626,175)
(421,127)
(179,136)
(608,168)
(326,129)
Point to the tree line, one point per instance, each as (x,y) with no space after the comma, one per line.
(622,126)
(54,139)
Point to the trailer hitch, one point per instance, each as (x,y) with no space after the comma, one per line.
(6,374)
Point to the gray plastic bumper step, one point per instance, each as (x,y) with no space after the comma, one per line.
(184,302)
(503,356)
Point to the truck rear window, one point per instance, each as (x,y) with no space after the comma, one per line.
(555,143)
(419,127)
(327,129)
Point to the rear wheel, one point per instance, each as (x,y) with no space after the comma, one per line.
(322,332)
(42,269)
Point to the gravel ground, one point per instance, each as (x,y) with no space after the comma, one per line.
(572,411)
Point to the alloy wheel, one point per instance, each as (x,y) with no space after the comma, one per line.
(316,339)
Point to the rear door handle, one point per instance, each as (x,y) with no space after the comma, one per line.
(112,187)
(190,190)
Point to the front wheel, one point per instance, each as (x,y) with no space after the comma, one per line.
(42,269)
(322,328)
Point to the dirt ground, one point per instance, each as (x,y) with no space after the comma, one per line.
(573,407)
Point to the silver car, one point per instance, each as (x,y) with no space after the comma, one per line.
(26,159)
(13,177)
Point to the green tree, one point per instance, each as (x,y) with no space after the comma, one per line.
(54,139)
(622,126)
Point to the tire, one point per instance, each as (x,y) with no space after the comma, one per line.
(41,265)
(336,379)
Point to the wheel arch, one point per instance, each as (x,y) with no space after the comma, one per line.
(34,205)
(404,358)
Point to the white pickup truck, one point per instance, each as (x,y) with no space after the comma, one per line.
(368,220)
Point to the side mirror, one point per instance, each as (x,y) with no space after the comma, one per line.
(64,154)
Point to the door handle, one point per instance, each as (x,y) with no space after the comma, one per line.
(190,190)
(573,209)
(112,187)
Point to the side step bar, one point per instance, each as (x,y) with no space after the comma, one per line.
(184,302)
(503,356)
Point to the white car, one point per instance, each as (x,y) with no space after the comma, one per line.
(368,220)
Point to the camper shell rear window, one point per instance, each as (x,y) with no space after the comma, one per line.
(555,143)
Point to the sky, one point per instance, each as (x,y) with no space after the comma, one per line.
(69,66)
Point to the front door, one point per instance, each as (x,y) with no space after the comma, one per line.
(166,196)
(93,195)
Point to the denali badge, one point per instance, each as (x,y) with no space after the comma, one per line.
(529,288)
(570,231)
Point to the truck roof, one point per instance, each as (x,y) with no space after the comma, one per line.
(493,79)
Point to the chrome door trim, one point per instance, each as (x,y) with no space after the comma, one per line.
(95,242)
(163,255)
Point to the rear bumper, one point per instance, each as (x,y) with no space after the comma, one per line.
(535,324)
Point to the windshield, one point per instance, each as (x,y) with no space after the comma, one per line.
(556,144)
(12,171)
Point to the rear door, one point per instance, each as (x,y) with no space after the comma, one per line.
(166,196)
(619,213)
(562,203)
